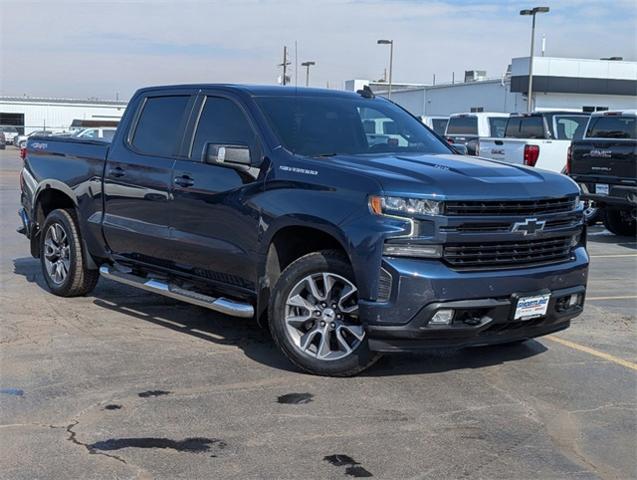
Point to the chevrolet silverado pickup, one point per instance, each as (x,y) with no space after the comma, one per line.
(274,203)
(604,163)
(538,140)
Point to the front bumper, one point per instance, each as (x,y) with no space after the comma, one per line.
(484,303)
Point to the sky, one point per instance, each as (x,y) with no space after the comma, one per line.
(108,49)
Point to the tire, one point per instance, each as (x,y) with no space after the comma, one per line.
(620,222)
(63,258)
(294,323)
(592,213)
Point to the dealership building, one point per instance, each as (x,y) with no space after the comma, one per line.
(57,114)
(558,83)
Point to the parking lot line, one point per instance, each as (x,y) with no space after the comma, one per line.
(595,353)
(618,297)
(617,255)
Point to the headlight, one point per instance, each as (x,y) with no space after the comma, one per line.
(404,206)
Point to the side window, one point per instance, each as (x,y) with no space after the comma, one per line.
(158,129)
(497,126)
(221,121)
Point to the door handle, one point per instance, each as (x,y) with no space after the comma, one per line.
(184,180)
(116,172)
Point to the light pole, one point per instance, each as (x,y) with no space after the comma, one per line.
(307,65)
(532,12)
(391,59)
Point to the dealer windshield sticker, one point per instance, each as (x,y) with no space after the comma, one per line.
(304,171)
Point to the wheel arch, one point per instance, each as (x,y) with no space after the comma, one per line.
(290,241)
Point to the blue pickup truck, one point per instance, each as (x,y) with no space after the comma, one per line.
(274,203)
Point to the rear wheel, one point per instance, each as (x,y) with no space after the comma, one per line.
(62,257)
(621,222)
(314,316)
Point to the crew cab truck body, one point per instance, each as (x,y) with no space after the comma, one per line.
(604,163)
(536,139)
(468,128)
(275,203)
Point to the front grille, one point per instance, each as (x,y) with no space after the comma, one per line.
(510,208)
(473,227)
(496,255)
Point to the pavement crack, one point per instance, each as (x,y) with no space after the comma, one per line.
(73,439)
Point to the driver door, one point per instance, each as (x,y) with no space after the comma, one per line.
(213,226)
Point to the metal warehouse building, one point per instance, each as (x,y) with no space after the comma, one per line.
(56,114)
(558,83)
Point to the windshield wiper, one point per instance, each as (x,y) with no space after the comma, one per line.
(322,155)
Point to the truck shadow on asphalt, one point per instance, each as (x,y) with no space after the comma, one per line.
(256,342)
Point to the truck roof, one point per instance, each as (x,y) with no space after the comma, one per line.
(629,112)
(256,90)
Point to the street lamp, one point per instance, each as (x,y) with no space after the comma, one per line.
(532,12)
(391,59)
(307,72)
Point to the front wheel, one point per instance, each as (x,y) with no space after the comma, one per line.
(314,316)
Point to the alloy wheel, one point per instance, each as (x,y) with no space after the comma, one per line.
(57,253)
(321,316)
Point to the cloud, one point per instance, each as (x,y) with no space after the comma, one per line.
(97,48)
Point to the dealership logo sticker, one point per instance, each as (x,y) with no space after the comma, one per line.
(39,146)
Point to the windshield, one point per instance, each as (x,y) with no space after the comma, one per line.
(323,125)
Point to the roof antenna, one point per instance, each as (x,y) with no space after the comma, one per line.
(366,92)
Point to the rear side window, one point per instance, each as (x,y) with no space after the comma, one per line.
(466,125)
(497,126)
(525,127)
(613,127)
(158,129)
(221,121)
(439,125)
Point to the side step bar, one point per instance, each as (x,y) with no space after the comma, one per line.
(221,305)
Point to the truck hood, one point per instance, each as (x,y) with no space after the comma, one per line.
(457,177)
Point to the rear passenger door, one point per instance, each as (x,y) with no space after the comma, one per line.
(138,179)
(213,225)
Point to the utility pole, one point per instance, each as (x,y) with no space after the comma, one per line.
(391,60)
(284,65)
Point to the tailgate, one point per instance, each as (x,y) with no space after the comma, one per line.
(604,159)
(505,150)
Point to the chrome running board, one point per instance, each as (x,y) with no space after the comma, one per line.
(221,305)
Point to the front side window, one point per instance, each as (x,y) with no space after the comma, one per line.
(221,121)
(158,129)
(613,127)
(329,125)
(464,125)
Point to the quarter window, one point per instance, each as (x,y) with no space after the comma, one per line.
(159,126)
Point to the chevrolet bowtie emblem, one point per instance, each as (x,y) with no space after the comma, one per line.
(530,226)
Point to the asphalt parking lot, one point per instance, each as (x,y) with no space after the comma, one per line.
(127,384)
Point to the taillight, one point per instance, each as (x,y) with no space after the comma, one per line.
(23,152)
(569,156)
(531,154)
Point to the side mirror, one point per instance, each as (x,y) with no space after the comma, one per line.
(460,148)
(235,156)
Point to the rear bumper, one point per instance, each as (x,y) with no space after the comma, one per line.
(484,304)
(619,195)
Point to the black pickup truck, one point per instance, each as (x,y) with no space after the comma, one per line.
(604,163)
(277,203)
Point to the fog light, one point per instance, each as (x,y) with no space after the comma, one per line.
(442,317)
(574,299)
